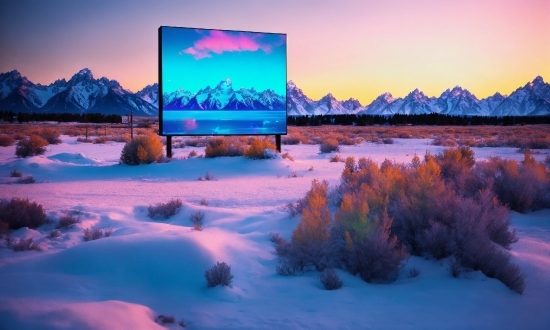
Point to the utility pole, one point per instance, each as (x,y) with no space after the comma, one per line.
(132,124)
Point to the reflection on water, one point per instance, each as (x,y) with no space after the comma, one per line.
(217,122)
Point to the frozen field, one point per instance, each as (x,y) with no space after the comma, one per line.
(149,267)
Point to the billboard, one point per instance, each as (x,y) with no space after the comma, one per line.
(221,82)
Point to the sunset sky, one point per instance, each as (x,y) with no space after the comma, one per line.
(195,58)
(355,49)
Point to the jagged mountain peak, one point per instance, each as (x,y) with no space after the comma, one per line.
(290,84)
(538,80)
(82,75)
(13,74)
(225,84)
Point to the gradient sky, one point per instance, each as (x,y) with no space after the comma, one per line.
(355,49)
(195,58)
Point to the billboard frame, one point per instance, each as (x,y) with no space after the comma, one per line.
(161,92)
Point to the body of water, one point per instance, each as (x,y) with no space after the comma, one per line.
(223,122)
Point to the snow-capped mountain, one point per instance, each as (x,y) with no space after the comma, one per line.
(416,103)
(459,101)
(328,104)
(298,104)
(533,99)
(84,94)
(150,94)
(224,97)
(81,94)
(378,106)
(353,105)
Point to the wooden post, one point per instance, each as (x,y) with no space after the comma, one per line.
(278,142)
(132,124)
(86,132)
(169,146)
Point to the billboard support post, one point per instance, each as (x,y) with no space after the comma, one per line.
(132,124)
(278,142)
(169,146)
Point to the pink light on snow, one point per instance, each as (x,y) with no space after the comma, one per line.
(220,41)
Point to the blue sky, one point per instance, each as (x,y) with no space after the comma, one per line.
(196,58)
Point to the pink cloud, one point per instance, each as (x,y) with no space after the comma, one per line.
(220,41)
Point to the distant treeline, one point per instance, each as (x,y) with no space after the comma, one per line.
(9,116)
(429,119)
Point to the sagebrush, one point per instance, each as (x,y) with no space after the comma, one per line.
(219,274)
(144,149)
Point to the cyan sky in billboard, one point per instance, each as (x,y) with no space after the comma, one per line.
(219,82)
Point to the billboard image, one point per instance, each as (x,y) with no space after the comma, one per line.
(220,82)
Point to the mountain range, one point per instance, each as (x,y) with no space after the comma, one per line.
(85,94)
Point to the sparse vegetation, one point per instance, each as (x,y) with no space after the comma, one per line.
(67,221)
(197,218)
(258,148)
(34,145)
(204,202)
(330,280)
(19,212)
(329,145)
(26,180)
(16,174)
(447,206)
(26,245)
(413,272)
(6,140)
(336,158)
(91,235)
(224,147)
(165,319)
(219,274)
(54,233)
(49,134)
(207,177)
(164,210)
(144,149)
(286,155)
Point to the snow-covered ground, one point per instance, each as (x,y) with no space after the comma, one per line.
(149,267)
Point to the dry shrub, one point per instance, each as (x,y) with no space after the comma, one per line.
(294,138)
(286,155)
(219,274)
(144,149)
(16,174)
(26,245)
(6,140)
(101,140)
(387,141)
(258,149)
(522,186)
(336,158)
(207,177)
(84,140)
(224,147)
(197,219)
(330,280)
(329,145)
(67,221)
(50,134)
(91,235)
(441,141)
(34,145)
(165,319)
(164,210)
(26,180)
(19,212)
(54,233)
(19,136)
(433,215)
